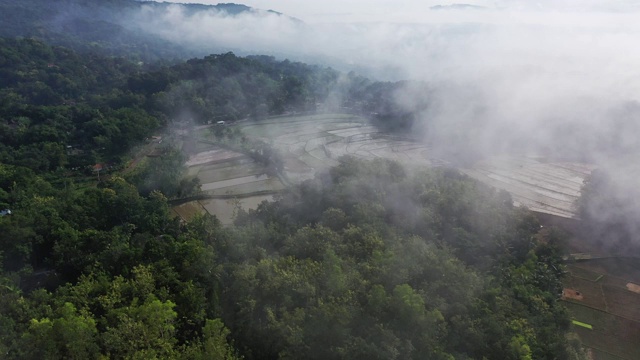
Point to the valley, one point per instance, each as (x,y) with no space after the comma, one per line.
(309,143)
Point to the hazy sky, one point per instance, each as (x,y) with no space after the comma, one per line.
(341,11)
(534,77)
(417,11)
(520,68)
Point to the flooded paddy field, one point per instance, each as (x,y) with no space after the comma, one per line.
(229,180)
(546,187)
(307,144)
(314,142)
(226,209)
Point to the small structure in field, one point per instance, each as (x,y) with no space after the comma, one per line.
(572,294)
(581,324)
(633,287)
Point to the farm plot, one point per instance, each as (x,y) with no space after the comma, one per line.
(550,188)
(187,211)
(209,175)
(234,178)
(611,335)
(622,302)
(221,184)
(226,209)
(582,273)
(590,291)
(315,142)
(269,185)
(212,156)
(595,354)
(607,303)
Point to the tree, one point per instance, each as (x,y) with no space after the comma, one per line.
(71,335)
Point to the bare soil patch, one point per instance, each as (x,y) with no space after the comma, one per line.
(225,209)
(572,294)
(633,287)
(211,156)
(189,210)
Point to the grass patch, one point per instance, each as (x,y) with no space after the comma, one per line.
(584,325)
(600,319)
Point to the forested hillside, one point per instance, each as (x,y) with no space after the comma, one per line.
(369,260)
(109,27)
(87,26)
(366,261)
(61,109)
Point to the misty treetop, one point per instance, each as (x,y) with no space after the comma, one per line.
(60,109)
(608,207)
(369,260)
(126,28)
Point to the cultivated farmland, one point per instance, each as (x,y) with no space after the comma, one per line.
(309,143)
(607,302)
(230,180)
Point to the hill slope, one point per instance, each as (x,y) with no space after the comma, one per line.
(112,26)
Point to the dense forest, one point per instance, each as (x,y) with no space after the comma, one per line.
(368,260)
(63,109)
(365,261)
(105,27)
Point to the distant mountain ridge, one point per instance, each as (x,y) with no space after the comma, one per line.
(458,7)
(104,25)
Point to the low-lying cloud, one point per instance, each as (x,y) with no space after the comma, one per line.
(549,76)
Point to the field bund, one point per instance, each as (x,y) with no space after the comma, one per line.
(311,143)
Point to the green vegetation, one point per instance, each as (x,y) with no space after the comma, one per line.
(368,260)
(578,323)
(103,26)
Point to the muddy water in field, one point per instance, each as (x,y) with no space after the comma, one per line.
(225,209)
(233,182)
(225,172)
(315,142)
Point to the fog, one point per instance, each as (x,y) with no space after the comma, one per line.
(553,79)
(513,72)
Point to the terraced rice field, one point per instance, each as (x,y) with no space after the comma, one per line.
(546,187)
(231,178)
(314,142)
(225,209)
(188,211)
(311,143)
